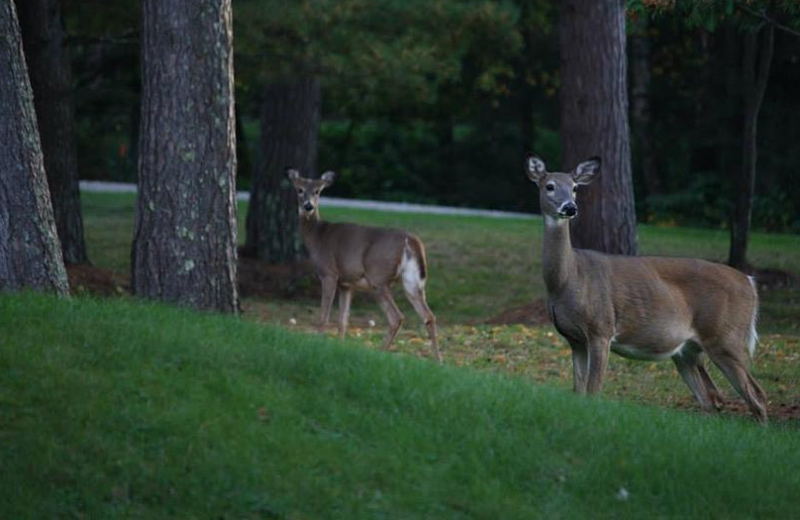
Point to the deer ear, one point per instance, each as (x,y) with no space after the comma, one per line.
(534,167)
(292,173)
(327,178)
(585,171)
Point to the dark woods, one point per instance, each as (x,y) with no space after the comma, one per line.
(445,117)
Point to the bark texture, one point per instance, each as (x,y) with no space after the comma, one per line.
(30,254)
(184,248)
(51,78)
(290,119)
(594,121)
(756,61)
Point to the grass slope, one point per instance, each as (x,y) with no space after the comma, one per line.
(119,409)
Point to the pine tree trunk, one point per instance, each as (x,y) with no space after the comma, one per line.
(640,106)
(290,119)
(51,78)
(30,253)
(756,61)
(594,121)
(185,231)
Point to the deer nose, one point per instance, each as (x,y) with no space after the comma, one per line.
(308,206)
(569,209)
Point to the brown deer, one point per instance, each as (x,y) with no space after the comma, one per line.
(350,257)
(644,307)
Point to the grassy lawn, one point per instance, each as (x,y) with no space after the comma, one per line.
(482,266)
(119,409)
(479,266)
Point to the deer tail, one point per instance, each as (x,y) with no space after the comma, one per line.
(752,335)
(417,250)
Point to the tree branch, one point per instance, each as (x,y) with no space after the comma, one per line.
(771,21)
(764,62)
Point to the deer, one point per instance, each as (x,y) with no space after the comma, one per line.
(349,257)
(647,308)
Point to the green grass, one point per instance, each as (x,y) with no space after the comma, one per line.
(479,266)
(118,409)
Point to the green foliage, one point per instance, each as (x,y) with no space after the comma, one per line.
(127,410)
(438,100)
(375,56)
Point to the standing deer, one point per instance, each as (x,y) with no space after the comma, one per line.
(647,308)
(349,257)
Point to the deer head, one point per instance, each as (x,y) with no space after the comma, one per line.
(556,189)
(308,191)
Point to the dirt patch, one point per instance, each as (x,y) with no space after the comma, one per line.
(733,406)
(260,279)
(256,279)
(534,313)
(775,278)
(96,281)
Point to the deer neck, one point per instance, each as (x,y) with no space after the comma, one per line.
(310,228)
(558,257)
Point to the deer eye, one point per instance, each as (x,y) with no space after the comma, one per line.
(550,187)
(575,189)
(301,191)
(316,192)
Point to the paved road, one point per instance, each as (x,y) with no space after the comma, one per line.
(335,202)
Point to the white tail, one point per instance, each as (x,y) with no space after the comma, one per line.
(752,338)
(350,257)
(644,307)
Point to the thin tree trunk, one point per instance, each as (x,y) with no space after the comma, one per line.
(756,61)
(594,121)
(640,106)
(30,253)
(51,78)
(290,118)
(185,231)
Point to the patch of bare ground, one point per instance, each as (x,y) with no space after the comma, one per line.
(774,278)
(88,279)
(259,279)
(534,313)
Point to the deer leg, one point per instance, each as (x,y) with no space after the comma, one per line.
(580,366)
(416,295)
(713,391)
(689,367)
(328,292)
(393,314)
(598,361)
(743,382)
(345,298)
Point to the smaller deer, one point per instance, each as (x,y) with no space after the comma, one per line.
(644,307)
(350,257)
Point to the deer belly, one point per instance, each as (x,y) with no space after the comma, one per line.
(359,283)
(651,343)
(643,354)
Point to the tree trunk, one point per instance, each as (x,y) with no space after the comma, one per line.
(51,78)
(594,121)
(756,61)
(640,106)
(290,119)
(30,253)
(184,247)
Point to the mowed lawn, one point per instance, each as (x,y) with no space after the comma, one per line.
(480,267)
(122,409)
